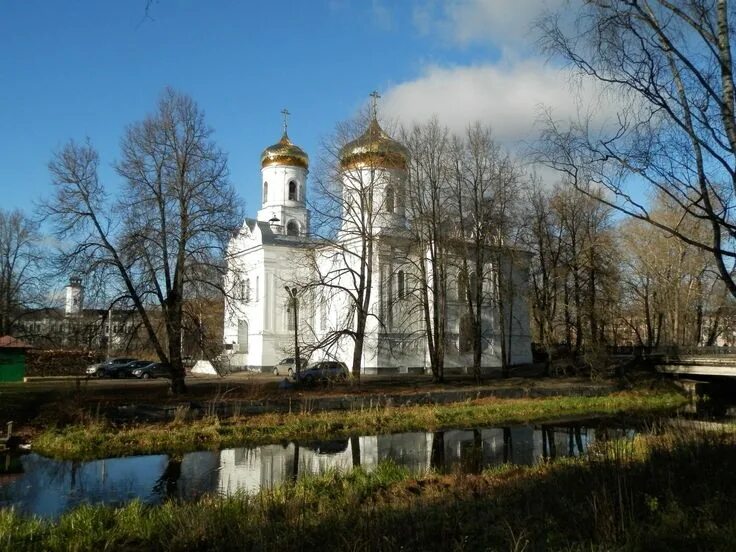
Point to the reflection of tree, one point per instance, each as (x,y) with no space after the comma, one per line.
(549,447)
(578,439)
(437,457)
(166,485)
(507,445)
(295,466)
(355,449)
(477,451)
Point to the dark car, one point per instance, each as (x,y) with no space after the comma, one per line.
(110,368)
(152,370)
(288,367)
(324,371)
(121,369)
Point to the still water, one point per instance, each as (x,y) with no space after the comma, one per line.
(37,485)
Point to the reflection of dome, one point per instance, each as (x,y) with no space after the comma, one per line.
(374,148)
(284,153)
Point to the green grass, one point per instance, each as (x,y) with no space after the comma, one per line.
(98,439)
(670,492)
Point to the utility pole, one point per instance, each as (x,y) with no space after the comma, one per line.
(292,293)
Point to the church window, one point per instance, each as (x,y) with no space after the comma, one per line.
(292,228)
(246,291)
(401,284)
(265,192)
(473,283)
(258,287)
(323,314)
(389,200)
(292,191)
(465,344)
(462,286)
(390,304)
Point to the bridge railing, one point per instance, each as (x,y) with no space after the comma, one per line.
(672,352)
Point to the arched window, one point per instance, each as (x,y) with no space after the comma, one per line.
(473,283)
(389,200)
(242,336)
(292,190)
(292,228)
(400,279)
(265,192)
(465,343)
(462,286)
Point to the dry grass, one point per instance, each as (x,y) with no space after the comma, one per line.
(97,439)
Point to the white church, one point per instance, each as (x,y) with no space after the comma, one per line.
(277,253)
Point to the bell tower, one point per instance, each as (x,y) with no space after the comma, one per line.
(284,169)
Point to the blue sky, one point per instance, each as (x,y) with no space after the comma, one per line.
(79,69)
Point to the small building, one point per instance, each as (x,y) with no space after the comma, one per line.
(12,359)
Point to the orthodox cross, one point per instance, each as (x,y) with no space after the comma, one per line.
(374,103)
(285,113)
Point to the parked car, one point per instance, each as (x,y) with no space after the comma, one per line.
(119,370)
(110,368)
(323,371)
(288,367)
(153,370)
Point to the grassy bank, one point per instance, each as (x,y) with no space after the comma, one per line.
(97,439)
(672,492)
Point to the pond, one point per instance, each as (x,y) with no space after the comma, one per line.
(37,485)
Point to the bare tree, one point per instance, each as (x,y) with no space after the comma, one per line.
(429,211)
(669,64)
(543,236)
(163,239)
(20,265)
(356,192)
(673,291)
(485,187)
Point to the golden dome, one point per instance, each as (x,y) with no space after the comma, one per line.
(374,148)
(284,153)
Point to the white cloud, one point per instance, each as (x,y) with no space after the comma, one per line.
(505,23)
(508,97)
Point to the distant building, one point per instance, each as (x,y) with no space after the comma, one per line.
(73,326)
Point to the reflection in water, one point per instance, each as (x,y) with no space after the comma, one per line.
(48,488)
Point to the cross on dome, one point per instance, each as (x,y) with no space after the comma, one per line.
(374,103)
(285,113)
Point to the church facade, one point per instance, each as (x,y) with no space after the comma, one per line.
(282,278)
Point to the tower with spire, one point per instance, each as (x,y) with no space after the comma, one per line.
(284,170)
(374,165)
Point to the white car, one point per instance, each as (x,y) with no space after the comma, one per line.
(287,367)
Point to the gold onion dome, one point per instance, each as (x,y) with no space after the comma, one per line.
(374,148)
(284,153)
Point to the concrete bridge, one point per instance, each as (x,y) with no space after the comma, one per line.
(684,361)
(693,361)
(724,366)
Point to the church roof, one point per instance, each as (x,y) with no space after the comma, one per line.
(269,237)
(374,148)
(284,152)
